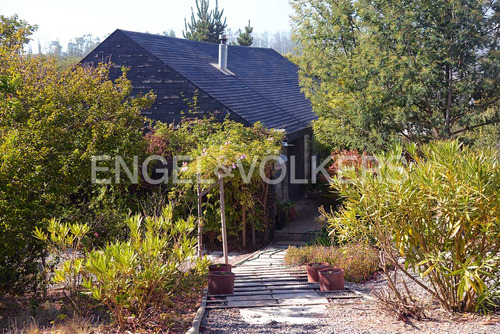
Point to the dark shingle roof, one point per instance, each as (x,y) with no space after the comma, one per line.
(264,88)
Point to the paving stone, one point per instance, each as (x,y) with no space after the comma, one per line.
(300,294)
(267,290)
(252,303)
(288,314)
(250,288)
(257,297)
(303,301)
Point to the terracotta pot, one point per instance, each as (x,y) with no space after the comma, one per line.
(292,213)
(219,267)
(220,283)
(312,271)
(331,279)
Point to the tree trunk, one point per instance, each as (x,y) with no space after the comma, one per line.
(449,78)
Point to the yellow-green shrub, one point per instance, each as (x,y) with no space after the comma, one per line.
(129,276)
(440,211)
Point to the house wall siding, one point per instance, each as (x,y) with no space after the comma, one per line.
(174,93)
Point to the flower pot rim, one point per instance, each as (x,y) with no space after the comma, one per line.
(321,264)
(331,271)
(219,265)
(221,273)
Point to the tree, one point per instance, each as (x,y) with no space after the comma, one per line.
(14,33)
(55,49)
(79,47)
(207,25)
(245,38)
(378,71)
(169,33)
(52,122)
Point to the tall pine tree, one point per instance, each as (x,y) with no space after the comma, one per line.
(245,38)
(207,25)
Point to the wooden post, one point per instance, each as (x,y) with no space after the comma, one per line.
(223,218)
(200,226)
(244,227)
(253,234)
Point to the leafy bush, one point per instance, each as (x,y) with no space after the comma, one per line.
(230,147)
(440,211)
(52,122)
(129,276)
(359,261)
(64,242)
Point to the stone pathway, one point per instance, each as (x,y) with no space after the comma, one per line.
(267,290)
(306,226)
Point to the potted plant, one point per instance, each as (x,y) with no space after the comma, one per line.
(312,271)
(219,267)
(331,279)
(292,211)
(285,212)
(220,283)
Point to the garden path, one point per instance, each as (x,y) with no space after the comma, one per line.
(306,226)
(267,290)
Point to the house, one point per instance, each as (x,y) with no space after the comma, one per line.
(247,84)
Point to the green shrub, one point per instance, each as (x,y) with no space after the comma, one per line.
(52,122)
(440,211)
(359,261)
(226,146)
(129,276)
(64,243)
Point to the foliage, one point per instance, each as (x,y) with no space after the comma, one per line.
(322,239)
(207,25)
(241,155)
(14,33)
(359,261)
(381,71)
(52,122)
(233,147)
(128,276)
(245,38)
(439,211)
(64,241)
(487,137)
(228,147)
(79,47)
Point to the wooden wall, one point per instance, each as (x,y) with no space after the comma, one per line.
(147,73)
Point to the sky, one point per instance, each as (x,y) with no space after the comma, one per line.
(65,19)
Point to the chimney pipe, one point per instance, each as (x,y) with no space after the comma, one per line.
(223,52)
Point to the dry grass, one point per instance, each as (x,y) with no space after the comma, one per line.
(359,261)
(73,325)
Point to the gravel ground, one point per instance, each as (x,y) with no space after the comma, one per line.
(364,316)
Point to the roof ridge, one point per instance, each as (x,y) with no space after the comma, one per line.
(190,40)
(243,83)
(187,79)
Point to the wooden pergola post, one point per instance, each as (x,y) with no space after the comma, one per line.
(200,222)
(200,195)
(223,218)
